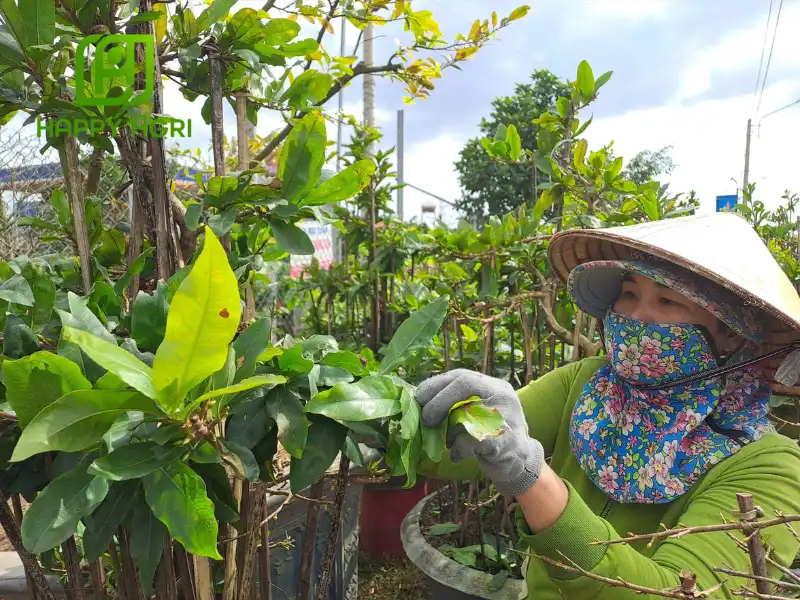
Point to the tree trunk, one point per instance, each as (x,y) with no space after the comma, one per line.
(70,166)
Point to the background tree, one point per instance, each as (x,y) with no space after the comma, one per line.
(649,165)
(490,187)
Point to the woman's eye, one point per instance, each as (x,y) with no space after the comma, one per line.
(668,302)
(627,294)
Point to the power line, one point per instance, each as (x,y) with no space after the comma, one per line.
(763,50)
(769,59)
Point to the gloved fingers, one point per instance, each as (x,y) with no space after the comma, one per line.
(436,410)
(463,447)
(453,432)
(430,387)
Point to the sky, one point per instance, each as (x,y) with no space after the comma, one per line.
(684,76)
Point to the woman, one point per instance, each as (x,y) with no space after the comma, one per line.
(666,429)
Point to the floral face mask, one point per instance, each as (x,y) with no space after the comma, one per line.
(652,445)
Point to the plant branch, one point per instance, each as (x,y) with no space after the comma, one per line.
(360,69)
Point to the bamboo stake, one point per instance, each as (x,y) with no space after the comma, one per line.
(309,537)
(68,155)
(755,546)
(336,526)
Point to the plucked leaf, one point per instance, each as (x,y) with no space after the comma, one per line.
(481,422)
(177,496)
(203,318)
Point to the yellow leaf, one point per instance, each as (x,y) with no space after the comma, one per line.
(519,12)
(160,24)
(327,24)
(202,320)
(290,76)
(399,8)
(475,31)
(494,20)
(465,53)
(292,17)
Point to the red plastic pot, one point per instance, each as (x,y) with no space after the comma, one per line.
(383,508)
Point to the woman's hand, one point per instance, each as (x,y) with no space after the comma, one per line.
(512,460)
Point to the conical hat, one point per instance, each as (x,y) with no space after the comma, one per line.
(721,247)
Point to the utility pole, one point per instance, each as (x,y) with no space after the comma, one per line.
(400,177)
(746,178)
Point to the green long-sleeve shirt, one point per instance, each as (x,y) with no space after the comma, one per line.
(769,469)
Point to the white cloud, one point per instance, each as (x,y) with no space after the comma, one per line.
(708,142)
(740,50)
(429,165)
(632,10)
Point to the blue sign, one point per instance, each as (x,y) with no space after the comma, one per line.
(726,202)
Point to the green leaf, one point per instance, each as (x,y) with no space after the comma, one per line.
(241,459)
(585,80)
(562,106)
(13,19)
(293,362)
(177,496)
(38,380)
(18,339)
(344,185)
(300,48)
(434,441)
(285,408)
(44,296)
(54,514)
(135,268)
(214,13)
(244,385)
(481,422)
(279,31)
(498,580)
(77,421)
(116,360)
(249,345)
(513,142)
(325,439)
(291,238)
(249,422)
(373,397)
(147,542)
(580,152)
(414,333)
(307,89)
(464,557)
(17,291)
(602,80)
(443,528)
(80,317)
(149,318)
(203,318)
(193,214)
(145,17)
(135,460)
(344,360)
(222,223)
(302,156)
(218,488)
(103,524)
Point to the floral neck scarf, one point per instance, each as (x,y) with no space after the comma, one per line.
(651,446)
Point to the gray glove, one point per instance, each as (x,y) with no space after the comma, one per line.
(512,460)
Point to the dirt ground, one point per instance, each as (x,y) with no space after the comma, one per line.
(391,580)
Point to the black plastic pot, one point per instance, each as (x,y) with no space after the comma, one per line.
(447,579)
(285,562)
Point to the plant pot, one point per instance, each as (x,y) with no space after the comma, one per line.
(447,579)
(291,522)
(383,508)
